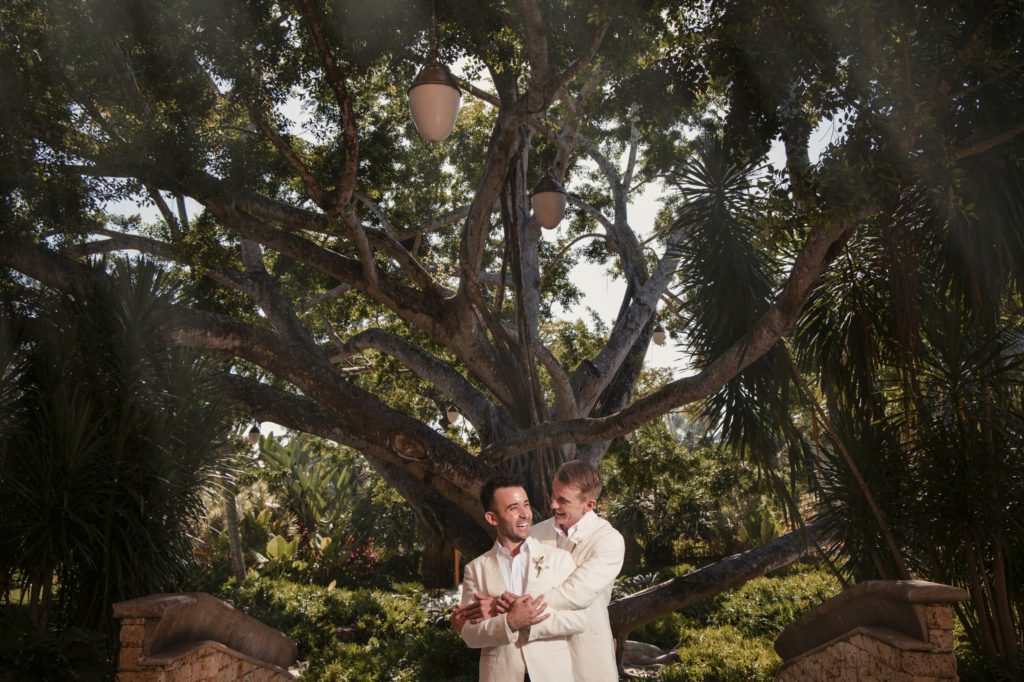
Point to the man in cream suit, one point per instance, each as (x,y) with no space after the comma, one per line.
(598,551)
(527,641)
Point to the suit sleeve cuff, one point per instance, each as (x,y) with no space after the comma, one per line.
(513,636)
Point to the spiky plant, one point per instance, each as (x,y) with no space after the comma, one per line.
(111,440)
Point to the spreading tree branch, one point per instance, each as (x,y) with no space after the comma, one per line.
(773,325)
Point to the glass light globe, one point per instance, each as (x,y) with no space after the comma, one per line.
(548,202)
(434,100)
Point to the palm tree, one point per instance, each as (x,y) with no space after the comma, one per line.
(899,402)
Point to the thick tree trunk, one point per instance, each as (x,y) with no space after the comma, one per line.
(438,563)
(641,608)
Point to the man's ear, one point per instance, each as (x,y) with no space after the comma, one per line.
(491,518)
(591,503)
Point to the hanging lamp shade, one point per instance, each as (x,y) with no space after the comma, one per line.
(548,202)
(659,335)
(453,414)
(434,99)
(254,435)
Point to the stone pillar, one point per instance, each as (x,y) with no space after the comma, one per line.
(197,638)
(889,631)
(133,632)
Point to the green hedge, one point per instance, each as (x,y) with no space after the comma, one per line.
(405,637)
(730,636)
(384,636)
(721,654)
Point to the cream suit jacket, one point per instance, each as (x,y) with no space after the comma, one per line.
(598,553)
(542,648)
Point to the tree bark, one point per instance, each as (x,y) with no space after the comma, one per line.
(437,562)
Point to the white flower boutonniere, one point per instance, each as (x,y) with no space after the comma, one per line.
(540,563)
(575,543)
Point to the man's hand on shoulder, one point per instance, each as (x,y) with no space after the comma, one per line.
(526,611)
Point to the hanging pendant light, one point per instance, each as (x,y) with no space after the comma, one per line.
(254,435)
(659,335)
(434,96)
(453,414)
(548,202)
(434,100)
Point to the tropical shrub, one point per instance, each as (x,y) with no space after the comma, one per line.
(364,635)
(721,654)
(314,512)
(730,636)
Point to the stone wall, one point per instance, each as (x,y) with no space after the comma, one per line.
(195,638)
(889,631)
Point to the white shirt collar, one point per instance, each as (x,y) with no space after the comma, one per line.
(528,544)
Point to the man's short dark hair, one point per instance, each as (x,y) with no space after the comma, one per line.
(499,481)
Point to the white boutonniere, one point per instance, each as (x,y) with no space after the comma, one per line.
(540,563)
(575,543)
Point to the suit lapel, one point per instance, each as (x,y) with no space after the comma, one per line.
(492,573)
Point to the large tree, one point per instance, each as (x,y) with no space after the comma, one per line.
(333,253)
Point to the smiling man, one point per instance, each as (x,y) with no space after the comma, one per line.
(527,641)
(598,551)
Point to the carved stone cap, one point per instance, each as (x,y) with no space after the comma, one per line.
(893,604)
(152,606)
(913,591)
(173,620)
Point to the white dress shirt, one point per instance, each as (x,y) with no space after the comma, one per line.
(513,568)
(568,541)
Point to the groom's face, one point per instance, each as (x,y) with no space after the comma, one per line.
(510,512)
(568,504)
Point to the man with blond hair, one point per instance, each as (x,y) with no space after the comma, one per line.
(598,551)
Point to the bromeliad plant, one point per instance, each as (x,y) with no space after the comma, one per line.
(315,489)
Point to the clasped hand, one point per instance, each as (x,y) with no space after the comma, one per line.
(522,611)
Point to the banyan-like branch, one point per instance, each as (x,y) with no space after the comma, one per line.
(303,414)
(992,142)
(413,305)
(578,201)
(122,241)
(777,322)
(376,210)
(472,403)
(436,223)
(565,400)
(342,195)
(627,330)
(330,294)
(636,610)
(480,94)
(537,53)
(312,185)
(584,59)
